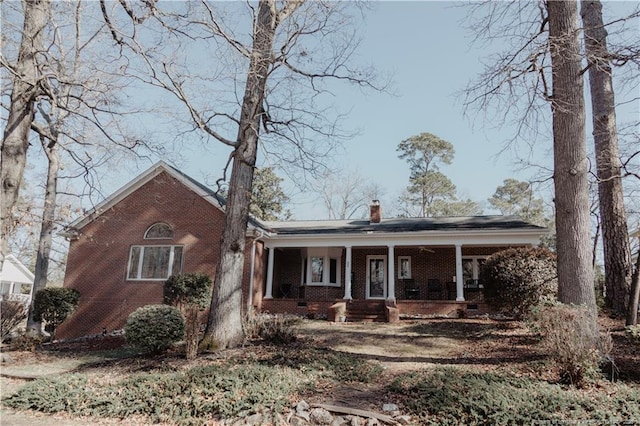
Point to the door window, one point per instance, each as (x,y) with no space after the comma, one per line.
(376,277)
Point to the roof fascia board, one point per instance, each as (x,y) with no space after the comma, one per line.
(397,239)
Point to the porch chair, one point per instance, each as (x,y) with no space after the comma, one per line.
(452,291)
(411,290)
(285,289)
(434,287)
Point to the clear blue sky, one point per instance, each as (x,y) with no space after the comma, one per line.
(431,58)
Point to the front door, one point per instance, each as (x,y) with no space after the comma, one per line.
(376,277)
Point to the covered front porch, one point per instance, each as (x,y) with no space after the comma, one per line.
(399,266)
(416,280)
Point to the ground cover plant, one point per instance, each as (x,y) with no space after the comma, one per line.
(452,396)
(438,371)
(231,388)
(192,396)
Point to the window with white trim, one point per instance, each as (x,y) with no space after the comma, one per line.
(154,262)
(158,231)
(322,266)
(471,266)
(404,267)
(317,270)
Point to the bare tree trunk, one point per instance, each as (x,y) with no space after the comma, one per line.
(594,250)
(46,229)
(15,141)
(632,313)
(224,327)
(615,235)
(575,273)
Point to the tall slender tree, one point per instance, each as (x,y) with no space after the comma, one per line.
(613,216)
(74,106)
(47,226)
(424,153)
(575,272)
(224,326)
(26,88)
(274,100)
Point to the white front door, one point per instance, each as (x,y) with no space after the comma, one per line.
(376,277)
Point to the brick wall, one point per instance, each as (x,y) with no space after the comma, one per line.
(98,258)
(287,272)
(426,263)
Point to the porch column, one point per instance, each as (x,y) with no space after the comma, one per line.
(252,272)
(391,295)
(269,290)
(347,274)
(459,277)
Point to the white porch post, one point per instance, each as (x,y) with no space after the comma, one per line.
(347,274)
(391,295)
(269,290)
(253,269)
(459,277)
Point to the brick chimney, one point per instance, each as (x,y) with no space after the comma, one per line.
(375,212)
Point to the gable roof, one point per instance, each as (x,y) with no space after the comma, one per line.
(318,228)
(203,191)
(14,271)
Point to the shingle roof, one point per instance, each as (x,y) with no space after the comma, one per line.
(400,225)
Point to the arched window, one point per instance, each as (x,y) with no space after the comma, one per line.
(155,261)
(158,231)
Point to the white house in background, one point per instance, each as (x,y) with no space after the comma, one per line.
(16,281)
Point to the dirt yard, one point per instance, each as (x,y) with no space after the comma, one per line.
(485,344)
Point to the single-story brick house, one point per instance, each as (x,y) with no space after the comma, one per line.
(164,222)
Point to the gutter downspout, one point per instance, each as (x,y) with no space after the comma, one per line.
(253,262)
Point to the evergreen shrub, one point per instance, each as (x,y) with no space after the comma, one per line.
(191,293)
(518,280)
(154,328)
(53,305)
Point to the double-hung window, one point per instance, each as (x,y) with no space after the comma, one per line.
(158,261)
(404,267)
(321,266)
(471,266)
